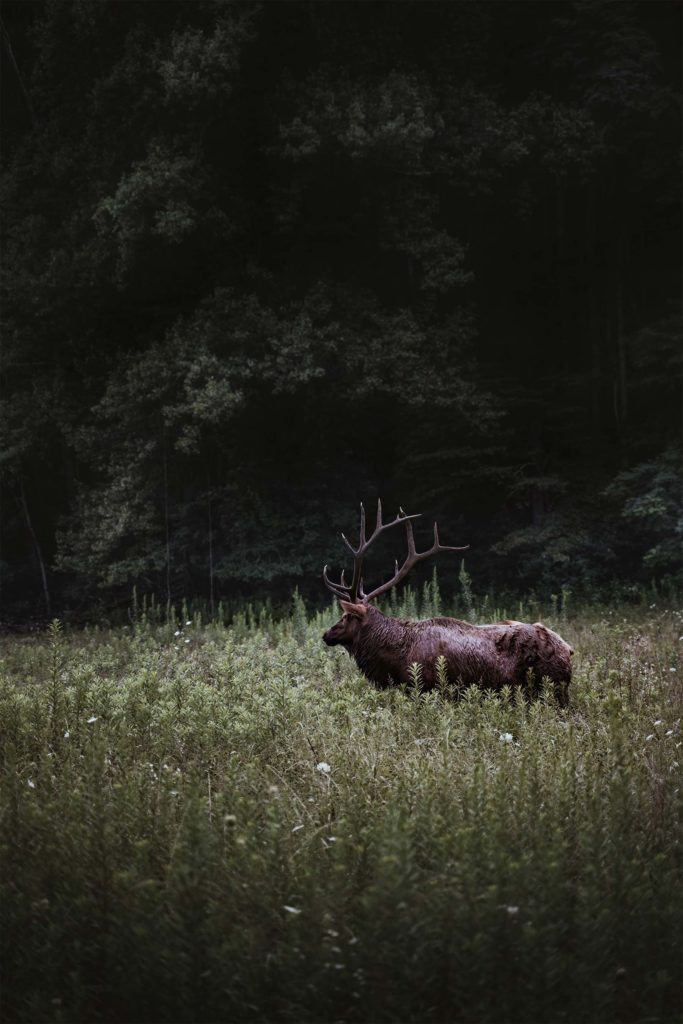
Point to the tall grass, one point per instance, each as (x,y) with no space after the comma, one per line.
(203,823)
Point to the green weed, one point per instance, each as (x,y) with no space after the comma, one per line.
(204,823)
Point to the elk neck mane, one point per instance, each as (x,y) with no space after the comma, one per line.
(383,643)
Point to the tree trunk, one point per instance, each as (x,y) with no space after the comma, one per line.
(167,531)
(210,524)
(621,351)
(36,547)
(593,312)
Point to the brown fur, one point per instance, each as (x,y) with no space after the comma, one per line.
(492,656)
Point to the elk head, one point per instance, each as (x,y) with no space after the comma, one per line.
(354,602)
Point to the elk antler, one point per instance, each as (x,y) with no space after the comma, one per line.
(355,591)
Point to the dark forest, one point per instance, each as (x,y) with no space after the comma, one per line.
(263,261)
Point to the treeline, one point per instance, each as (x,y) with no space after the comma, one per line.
(262,261)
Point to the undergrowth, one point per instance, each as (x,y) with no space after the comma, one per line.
(203,823)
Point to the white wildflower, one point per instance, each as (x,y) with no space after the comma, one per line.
(291,910)
(67,734)
(672,669)
(505,737)
(512,911)
(187,640)
(323,767)
(189,622)
(93,718)
(650,737)
(669,732)
(297,827)
(31,784)
(177,633)
(657,721)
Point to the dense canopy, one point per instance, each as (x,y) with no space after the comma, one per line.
(265,260)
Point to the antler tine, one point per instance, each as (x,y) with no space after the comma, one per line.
(413,557)
(364,543)
(438,546)
(340,589)
(410,536)
(357,582)
(354,591)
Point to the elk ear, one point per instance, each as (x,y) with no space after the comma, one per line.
(357,610)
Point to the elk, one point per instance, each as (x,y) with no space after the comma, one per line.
(516,654)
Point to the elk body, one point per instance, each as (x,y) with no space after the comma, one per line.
(502,653)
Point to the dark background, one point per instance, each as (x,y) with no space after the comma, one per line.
(262,261)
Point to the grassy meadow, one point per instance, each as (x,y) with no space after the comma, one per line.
(209,823)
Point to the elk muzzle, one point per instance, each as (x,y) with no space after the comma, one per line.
(334,635)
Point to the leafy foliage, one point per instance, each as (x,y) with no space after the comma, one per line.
(262,261)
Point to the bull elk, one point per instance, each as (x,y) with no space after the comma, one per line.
(492,656)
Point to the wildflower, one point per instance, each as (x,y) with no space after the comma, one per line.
(297,827)
(93,718)
(323,767)
(291,910)
(31,784)
(177,633)
(67,734)
(512,911)
(229,819)
(669,732)
(672,669)
(650,737)
(505,737)
(657,721)
(187,640)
